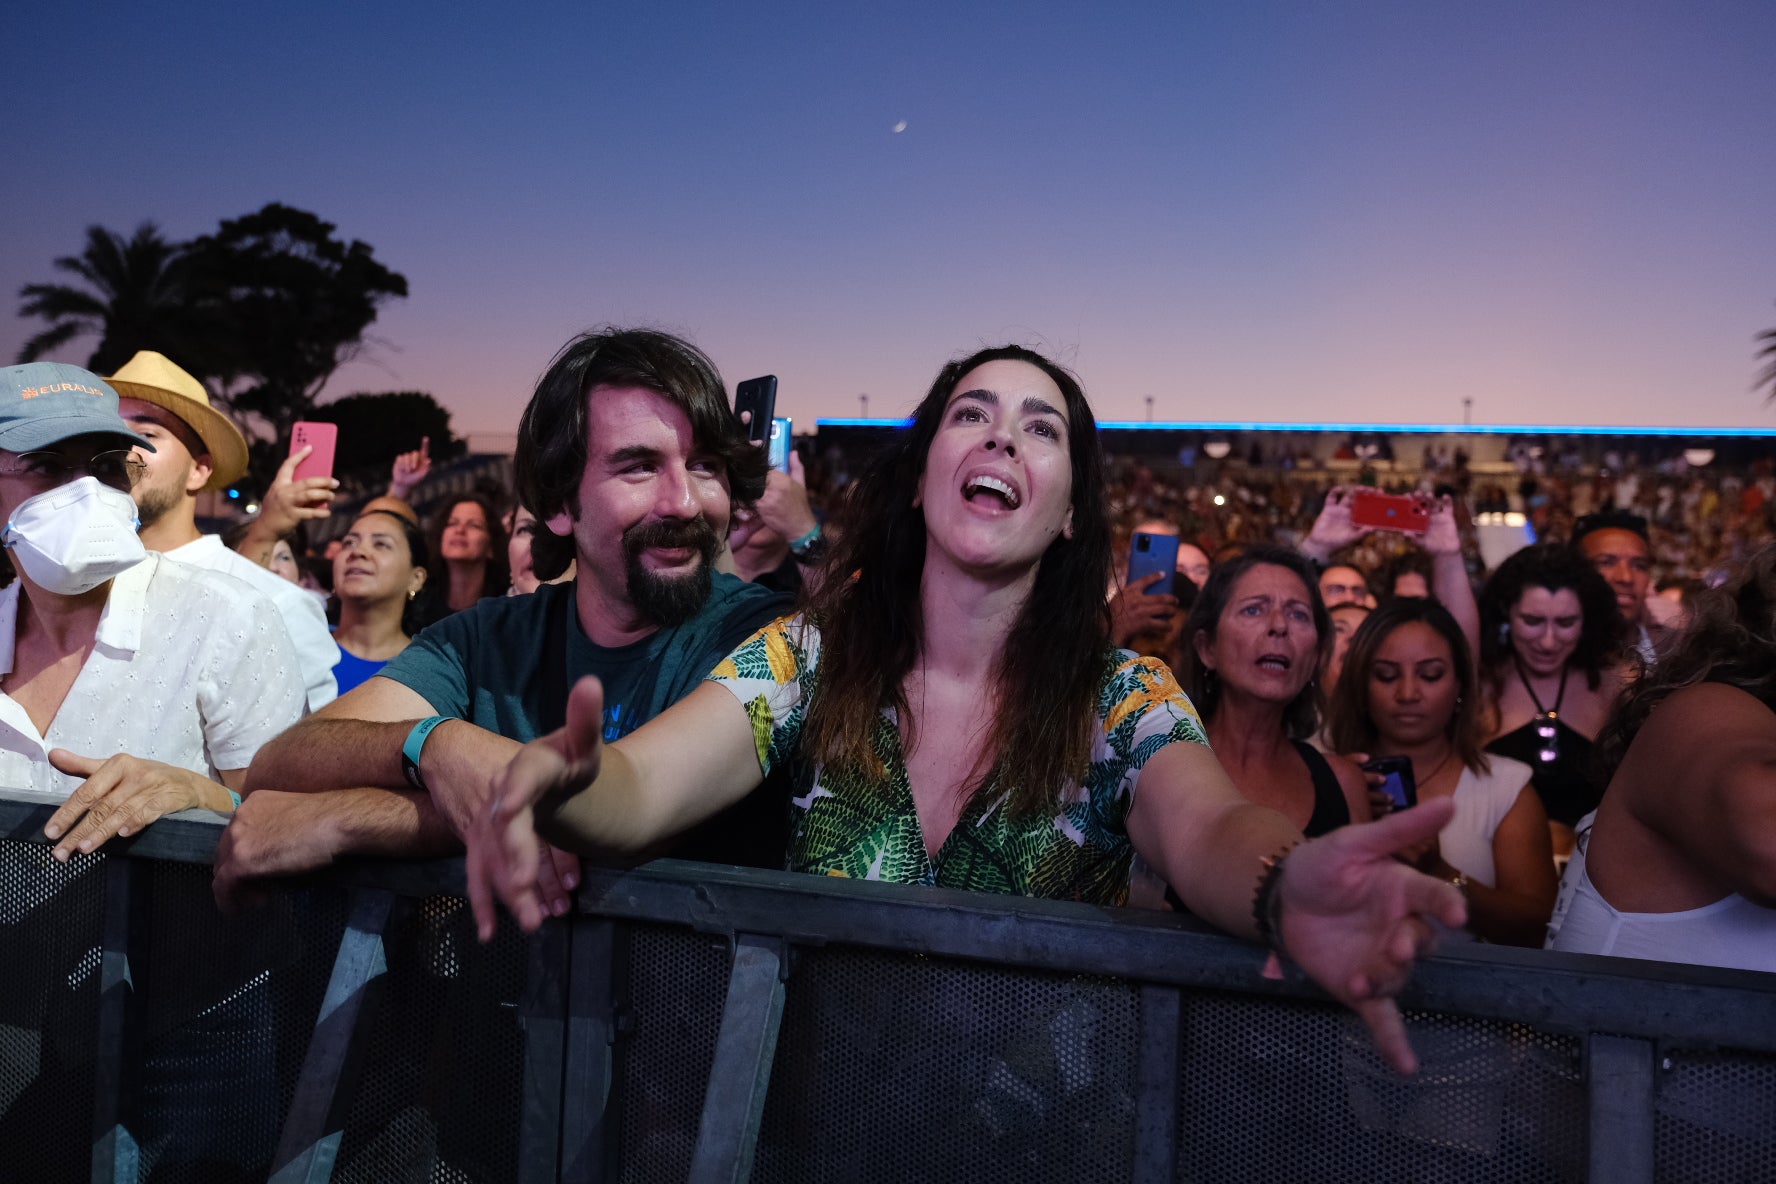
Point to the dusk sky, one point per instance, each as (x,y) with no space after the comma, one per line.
(1305,211)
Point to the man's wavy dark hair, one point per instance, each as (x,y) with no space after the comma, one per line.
(872,630)
(1554,567)
(551,456)
(1731,639)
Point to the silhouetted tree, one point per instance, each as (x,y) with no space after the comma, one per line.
(287,304)
(133,299)
(374,428)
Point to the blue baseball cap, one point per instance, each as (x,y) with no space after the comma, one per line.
(44,403)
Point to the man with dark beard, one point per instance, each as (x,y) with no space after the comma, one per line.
(630,456)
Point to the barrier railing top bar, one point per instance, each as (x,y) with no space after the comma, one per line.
(1691,1006)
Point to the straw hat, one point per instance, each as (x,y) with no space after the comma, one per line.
(152,378)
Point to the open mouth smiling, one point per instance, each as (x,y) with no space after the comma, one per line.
(985,484)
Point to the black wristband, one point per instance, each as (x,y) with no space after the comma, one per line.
(1267,903)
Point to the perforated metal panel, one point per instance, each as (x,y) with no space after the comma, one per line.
(441,1091)
(1716,1118)
(227,1007)
(50,915)
(903,1067)
(1277,1091)
(673,992)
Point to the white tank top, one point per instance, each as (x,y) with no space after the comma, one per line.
(1481,802)
(1731,932)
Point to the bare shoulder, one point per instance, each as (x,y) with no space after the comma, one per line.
(1696,737)
(1705,714)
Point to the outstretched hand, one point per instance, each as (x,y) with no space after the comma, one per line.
(1355,918)
(502,842)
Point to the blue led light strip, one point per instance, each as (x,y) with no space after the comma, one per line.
(1479,429)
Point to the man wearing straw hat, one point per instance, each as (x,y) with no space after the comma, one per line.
(197,448)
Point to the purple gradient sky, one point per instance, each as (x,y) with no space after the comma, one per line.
(1353,211)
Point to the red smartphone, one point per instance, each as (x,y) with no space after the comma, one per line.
(1389,511)
(324,437)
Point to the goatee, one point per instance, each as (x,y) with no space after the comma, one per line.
(671,600)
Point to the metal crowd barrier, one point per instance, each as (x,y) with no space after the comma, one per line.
(689,1021)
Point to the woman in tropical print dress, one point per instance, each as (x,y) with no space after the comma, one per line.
(951,712)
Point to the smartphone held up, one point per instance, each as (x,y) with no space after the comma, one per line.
(1150,553)
(755,405)
(324,439)
(1390,511)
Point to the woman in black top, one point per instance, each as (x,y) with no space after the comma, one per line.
(1550,650)
(1252,648)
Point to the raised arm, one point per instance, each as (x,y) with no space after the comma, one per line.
(1449,572)
(1350,915)
(690,762)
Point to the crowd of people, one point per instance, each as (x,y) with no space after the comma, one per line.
(935,673)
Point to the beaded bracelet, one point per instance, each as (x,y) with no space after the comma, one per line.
(1267,901)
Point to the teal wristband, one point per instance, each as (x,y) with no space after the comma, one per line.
(232,796)
(414,745)
(808,547)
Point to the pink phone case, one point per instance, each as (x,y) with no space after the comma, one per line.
(325,438)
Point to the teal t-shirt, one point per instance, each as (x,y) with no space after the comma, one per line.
(484,665)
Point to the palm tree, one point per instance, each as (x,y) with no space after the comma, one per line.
(131,300)
(1767,376)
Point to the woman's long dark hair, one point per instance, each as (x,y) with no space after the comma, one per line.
(1554,567)
(498,573)
(1044,709)
(1351,727)
(1731,639)
(1301,718)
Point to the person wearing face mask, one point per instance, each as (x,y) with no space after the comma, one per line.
(130,685)
(1551,661)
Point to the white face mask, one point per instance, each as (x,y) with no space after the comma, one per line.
(74,537)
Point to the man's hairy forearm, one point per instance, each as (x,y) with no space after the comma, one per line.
(320,754)
(393,822)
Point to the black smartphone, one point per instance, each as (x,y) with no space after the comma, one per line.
(1149,553)
(1400,785)
(759,396)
